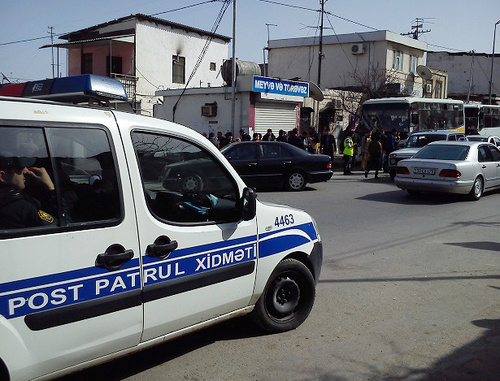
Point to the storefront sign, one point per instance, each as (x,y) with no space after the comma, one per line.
(276,86)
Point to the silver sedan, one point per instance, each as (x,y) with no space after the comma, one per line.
(462,167)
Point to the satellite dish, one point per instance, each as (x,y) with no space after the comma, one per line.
(315,92)
(424,72)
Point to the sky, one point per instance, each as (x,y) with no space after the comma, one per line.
(454,26)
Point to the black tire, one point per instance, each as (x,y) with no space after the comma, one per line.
(192,183)
(287,299)
(296,181)
(477,189)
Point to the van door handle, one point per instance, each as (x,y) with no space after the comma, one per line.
(161,248)
(114,257)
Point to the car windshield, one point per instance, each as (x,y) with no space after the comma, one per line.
(418,141)
(443,152)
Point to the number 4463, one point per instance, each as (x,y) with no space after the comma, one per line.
(285,220)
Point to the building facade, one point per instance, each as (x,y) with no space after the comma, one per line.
(147,54)
(469,74)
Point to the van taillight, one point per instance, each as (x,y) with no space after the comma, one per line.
(402,171)
(450,173)
(329,165)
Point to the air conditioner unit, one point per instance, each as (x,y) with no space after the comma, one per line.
(428,88)
(209,110)
(357,48)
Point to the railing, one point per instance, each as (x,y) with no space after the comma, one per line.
(129,83)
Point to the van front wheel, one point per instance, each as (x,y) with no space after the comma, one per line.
(287,299)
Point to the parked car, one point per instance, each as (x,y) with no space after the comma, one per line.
(277,164)
(462,167)
(415,142)
(483,138)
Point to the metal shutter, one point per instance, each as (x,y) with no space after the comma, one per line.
(275,115)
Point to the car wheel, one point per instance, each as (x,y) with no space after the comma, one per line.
(477,189)
(287,299)
(296,181)
(192,183)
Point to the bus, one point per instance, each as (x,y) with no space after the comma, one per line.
(408,114)
(482,119)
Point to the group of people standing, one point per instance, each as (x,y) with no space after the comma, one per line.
(375,147)
(307,140)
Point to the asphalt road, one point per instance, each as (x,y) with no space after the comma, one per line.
(409,290)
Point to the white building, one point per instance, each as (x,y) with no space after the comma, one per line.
(348,57)
(260,103)
(469,74)
(147,54)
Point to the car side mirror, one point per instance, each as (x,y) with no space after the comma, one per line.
(248,204)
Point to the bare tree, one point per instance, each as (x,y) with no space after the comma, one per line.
(374,82)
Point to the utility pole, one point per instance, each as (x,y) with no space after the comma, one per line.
(51,32)
(417,29)
(321,55)
(233,74)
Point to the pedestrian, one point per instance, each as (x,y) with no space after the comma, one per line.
(226,140)
(314,138)
(244,136)
(348,152)
(294,139)
(327,143)
(374,155)
(282,136)
(256,137)
(306,140)
(269,136)
(365,141)
(213,139)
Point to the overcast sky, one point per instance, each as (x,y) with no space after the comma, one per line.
(454,25)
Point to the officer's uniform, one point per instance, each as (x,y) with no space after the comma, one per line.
(18,210)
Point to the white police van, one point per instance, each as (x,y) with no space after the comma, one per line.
(145,232)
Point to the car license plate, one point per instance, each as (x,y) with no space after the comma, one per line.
(424,171)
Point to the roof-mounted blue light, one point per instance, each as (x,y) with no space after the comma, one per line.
(76,89)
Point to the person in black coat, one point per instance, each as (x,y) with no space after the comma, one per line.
(17,208)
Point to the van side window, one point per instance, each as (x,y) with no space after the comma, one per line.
(182,182)
(52,177)
(86,173)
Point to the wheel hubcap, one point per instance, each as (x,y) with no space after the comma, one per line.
(286,295)
(296,181)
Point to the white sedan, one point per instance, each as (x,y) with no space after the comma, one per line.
(462,167)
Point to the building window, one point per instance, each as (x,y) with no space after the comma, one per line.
(87,63)
(178,69)
(413,64)
(116,65)
(213,66)
(397,63)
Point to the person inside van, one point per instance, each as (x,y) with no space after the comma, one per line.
(17,208)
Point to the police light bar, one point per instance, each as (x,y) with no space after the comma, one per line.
(75,89)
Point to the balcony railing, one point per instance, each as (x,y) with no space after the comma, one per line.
(129,83)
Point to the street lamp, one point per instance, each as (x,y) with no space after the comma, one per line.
(492,58)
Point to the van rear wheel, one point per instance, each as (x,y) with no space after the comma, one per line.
(287,299)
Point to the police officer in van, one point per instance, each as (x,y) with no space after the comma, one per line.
(17,208)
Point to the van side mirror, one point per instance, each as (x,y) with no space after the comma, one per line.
(248,204)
